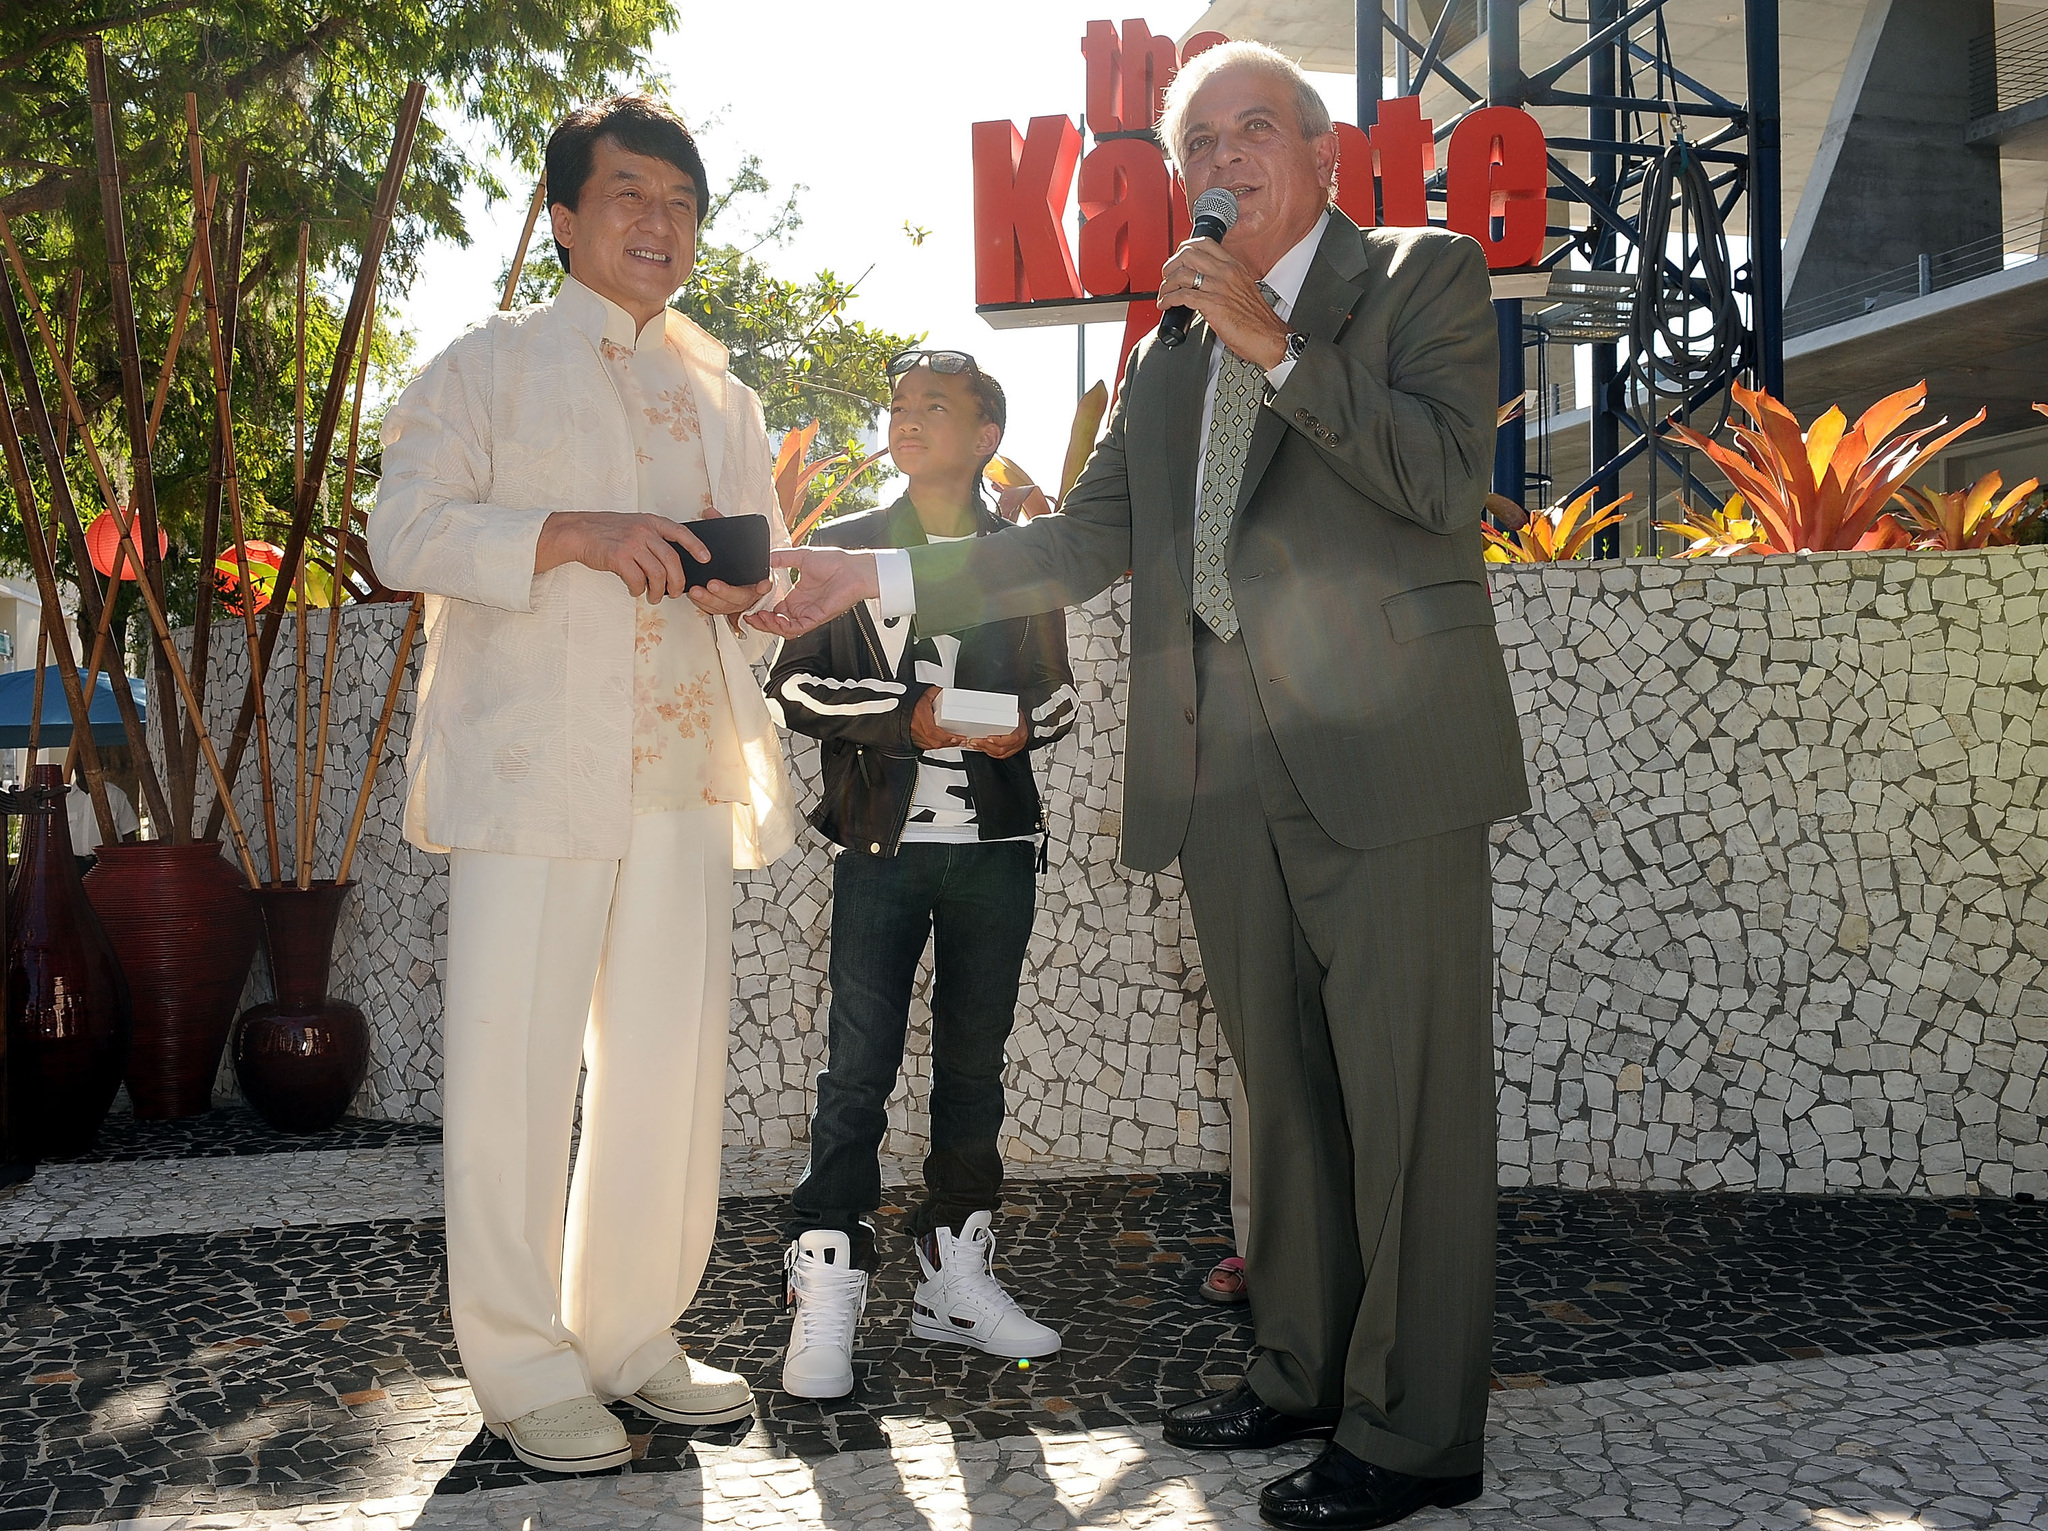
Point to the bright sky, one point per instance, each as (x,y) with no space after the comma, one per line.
(874,120)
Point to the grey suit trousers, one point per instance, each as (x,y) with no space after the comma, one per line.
(1355,989)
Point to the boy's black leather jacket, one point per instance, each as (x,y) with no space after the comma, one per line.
(834,683)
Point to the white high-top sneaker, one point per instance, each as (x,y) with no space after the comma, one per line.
(961,1301)
(827,1296)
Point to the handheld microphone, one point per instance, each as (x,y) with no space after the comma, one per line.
(1215,211)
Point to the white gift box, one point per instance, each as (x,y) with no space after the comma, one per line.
(975,714)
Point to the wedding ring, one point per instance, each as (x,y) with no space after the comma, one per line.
(1198,281)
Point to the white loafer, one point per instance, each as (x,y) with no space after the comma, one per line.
(687,1392)
(577,1435)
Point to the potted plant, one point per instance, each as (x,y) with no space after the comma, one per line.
(184,924)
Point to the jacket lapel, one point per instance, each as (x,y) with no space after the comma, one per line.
(1331,290)
(1187,383)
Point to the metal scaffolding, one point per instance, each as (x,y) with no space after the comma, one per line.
(1653,298)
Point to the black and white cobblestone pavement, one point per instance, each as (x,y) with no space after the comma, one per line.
(207,1327)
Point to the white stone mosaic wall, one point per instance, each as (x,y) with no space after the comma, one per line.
(1777,920)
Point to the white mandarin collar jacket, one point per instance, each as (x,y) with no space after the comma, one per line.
(522,736)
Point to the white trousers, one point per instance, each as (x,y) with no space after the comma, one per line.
(557,1288)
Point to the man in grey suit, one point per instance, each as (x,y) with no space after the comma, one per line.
(1320,730)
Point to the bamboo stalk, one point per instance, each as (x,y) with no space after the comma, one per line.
(60,361)
(92,669)
(209,523)
(183,312)
(300,784)
(73,293)
(299,407)
(540,194)
(66,510)
(230,478)
(330,408)
(298,586)
(74,413)
(182,768)
(398,661)
(132,400)
(35,718)
(46,587)
(334,606)
(184,685)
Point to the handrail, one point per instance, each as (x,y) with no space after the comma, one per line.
(2009,66)
(1930,273)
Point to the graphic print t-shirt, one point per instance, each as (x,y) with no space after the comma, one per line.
(942,804)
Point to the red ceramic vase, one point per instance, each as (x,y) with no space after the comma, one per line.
(68,1018)
(302,1056)
(182,920)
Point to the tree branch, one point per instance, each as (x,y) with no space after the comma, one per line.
(44,196)
(92,29)
(235,86)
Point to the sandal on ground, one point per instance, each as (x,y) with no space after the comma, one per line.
(1227,1283)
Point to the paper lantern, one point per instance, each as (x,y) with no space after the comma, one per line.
(265,559)
(103,542)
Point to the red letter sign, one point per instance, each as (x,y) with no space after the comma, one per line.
(1125,196)
(1354,175)
(1020,199)
(1105,76)
(1149,65)
(1404,153)
(1498,175)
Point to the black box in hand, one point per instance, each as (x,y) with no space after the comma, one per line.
(738,546)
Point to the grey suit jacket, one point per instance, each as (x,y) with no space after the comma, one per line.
(1354,555)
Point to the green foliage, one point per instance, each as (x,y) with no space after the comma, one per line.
(307,95)
(793,342)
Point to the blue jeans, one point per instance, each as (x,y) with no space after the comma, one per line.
(976,902)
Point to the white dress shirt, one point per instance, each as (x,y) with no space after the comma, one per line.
(892,565)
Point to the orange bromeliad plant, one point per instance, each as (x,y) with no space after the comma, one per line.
(793,476)
(1965,518)
(1823,489)
(1553,536)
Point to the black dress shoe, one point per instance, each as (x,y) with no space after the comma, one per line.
(1236,1421)
(1341,1492)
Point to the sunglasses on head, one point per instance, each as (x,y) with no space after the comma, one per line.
(947,363)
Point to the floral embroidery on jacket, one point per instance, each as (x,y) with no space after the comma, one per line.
(685,713)
(676,410)
(684,751)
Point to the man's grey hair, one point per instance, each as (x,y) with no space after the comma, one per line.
(1309,108)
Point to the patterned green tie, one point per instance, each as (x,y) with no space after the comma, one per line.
(1240,389)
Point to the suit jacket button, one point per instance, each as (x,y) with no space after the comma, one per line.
(1301,415)
(1188,713)
(875,848)
(1331,438)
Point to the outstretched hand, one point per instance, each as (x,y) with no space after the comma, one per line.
(828,582)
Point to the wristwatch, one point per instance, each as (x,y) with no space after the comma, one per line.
(1296,344)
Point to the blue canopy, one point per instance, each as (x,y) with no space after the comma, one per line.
(17,700)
